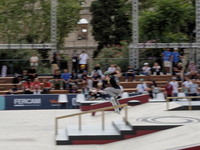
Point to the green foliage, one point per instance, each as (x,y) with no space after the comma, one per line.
(29,21)
(169,21)
(119,53)
(111,21)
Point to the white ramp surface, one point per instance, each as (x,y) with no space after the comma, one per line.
(35,129)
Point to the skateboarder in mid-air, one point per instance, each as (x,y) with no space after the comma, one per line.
(113,91)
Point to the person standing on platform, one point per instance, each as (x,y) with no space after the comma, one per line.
(83,59)
(167,57)
(75,61)
(54,62)
(34,60)
(175,57)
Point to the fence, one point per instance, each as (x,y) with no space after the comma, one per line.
(44,67)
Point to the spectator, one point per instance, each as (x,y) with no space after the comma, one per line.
(193,74)
(54,62)
(28,86)
(73,89)
(83,59)
(151,88)
(13,90)
(178,70)
(156,69)
(99,95)
(84,77)
(186,85)
(66,78)
(193,89)
(169,89)
(129,72)
(85,89)
(36,86)
(95,79)
(112,68)
(118,72)
(142,87)
(74,61)
(175,57)
(82,69)
(57,80)
(146,69)
(24,76)
(97,69)
(91,95)
(34,60)
(32,73)
(175,86)
(104,81)
(74,78)
(46,86)
(167,57)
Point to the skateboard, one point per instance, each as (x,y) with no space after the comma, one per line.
(115,103)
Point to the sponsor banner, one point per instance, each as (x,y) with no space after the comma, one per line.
(20,102)
(2,102)
(43,101)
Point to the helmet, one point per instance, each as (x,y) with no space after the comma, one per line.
(107,72)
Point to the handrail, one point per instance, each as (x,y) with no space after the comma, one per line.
(91,111)
(189,97)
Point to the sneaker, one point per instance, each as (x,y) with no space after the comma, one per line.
(53,88)
(61,88)
(134,80)
(126,80)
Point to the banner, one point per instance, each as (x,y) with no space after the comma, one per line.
(43,101)
(19,102)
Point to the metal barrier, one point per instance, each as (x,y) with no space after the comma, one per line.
(189,102)
(92,111)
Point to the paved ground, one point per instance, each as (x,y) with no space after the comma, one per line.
(34,129)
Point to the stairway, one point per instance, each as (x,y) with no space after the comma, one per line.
(93,134)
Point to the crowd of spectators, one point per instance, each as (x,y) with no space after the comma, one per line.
(93,83)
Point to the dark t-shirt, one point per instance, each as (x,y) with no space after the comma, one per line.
(96,68)
(84,77)
(96,77)
(31,71)
(113,82)
(74,77)
(130,70)
(57,76)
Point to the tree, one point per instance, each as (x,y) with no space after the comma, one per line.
(29,21)
(168,21)
(110,21)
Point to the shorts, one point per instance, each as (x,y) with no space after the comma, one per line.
(167,64)
(55,66)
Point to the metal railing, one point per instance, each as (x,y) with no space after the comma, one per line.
(189,101)
(93,111)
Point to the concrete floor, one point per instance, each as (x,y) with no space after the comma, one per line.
(34,129)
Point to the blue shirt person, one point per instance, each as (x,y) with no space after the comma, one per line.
(167,57)
(66,77)
(175,57)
